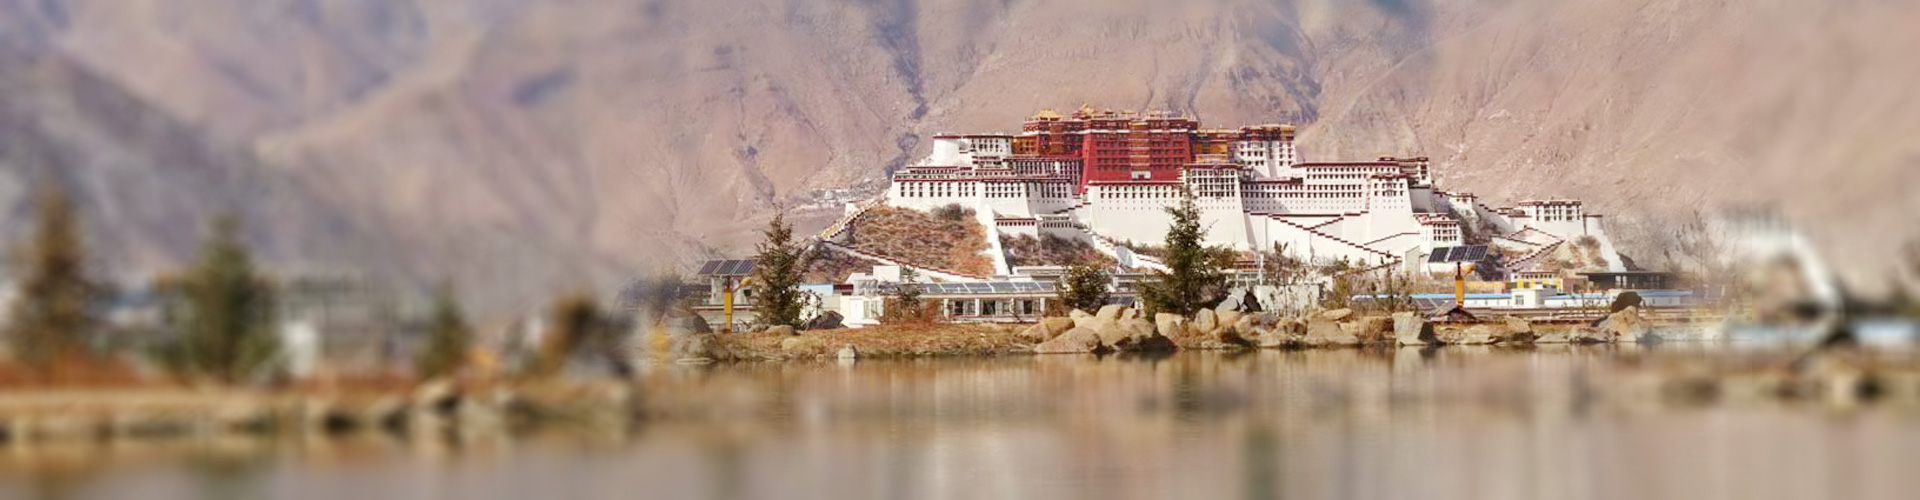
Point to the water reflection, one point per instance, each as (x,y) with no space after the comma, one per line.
(1549,422)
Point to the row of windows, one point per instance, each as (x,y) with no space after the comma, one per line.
(992,190)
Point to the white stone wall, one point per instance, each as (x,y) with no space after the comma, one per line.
(1268,159)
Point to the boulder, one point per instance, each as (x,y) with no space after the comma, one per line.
(1272,338)
(792,344)
(1267,319)
(1373,329)
(1551,338)
(437,396)
(693,347)
(1036,333)
(1231,303)
(829,320)
(1287,333)
(1110,312)
(1170,325)
(1111,332)
(780,330)
(1055,326)
(1129,313)
(1246,323)
(1046,328)
(1142,337)
(688,323)
(1336,314)
(1589,335)
(1518,331)
(1138,328)
(1324,332)
(1411,329)
(847,353)
(1474,335)
(1076,314)
(1228,318)
(1075,341)
(1229,338)
(1206,321)
(1628,326)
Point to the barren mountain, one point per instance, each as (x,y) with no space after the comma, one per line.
(533,145)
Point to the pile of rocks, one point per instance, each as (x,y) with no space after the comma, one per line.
(1113,328)
(1118,328)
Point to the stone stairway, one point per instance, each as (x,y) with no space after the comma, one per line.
(1340,240)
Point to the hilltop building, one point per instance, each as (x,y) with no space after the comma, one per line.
(1106,177)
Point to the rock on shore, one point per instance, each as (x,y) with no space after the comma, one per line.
(1078,340)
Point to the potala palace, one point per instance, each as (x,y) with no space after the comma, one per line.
(1106,177)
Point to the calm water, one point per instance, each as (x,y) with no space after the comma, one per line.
(1456,423)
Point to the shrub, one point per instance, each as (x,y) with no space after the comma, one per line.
(905,306)
(448,338)
(54,316)
(1084,287)
(227,318)
(952,212)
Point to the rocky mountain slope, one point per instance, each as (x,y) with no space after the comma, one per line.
(531,146)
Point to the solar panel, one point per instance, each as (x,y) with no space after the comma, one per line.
(1003,287)
(1476,253)
(741,267)
(979,287)
(1439,255)
(708,268)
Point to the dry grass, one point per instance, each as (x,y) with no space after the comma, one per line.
(76,372)
(834,267)
(921,238)
(1050,250)
(884,341)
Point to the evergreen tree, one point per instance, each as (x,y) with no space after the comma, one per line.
(576,321)
(777,272)
(448,338)
(1084,287)
(228,321)
(1196,275)
(907,306)
(53,315)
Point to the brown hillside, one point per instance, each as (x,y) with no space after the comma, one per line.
(954,241)
(537,145)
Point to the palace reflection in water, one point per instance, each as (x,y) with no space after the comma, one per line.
(1552,422)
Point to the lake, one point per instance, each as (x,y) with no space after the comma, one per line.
(1558,422)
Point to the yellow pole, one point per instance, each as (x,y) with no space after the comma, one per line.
(727,287)
(1459,286)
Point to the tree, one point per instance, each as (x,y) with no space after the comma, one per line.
(54,315)
(1339,273)
(228,319)
(1195,275)
(576,324)
(1084,287)
(1391,291)
(777,272)
(906,305)
(448,338)
(1280,268)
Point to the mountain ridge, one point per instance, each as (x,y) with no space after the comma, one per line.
(532,147)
